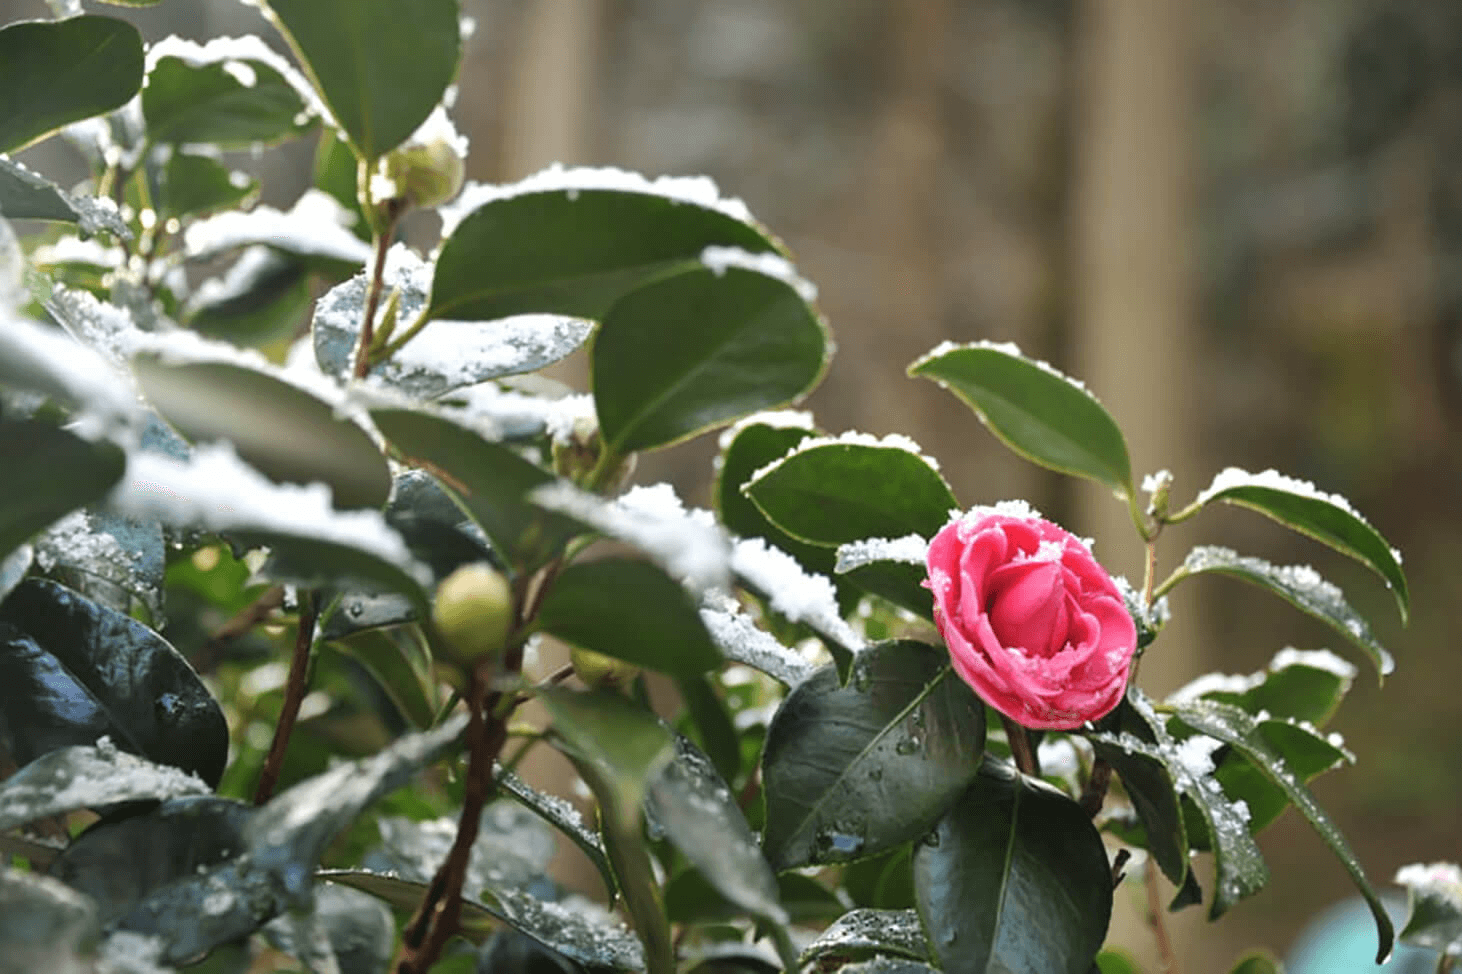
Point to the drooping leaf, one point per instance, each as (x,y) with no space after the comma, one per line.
(1328,518)
(400,669)
(1150,786)
(209,102)
(1300,586)
(852,770)
(1015,878)
(380,73)
(71,778)
(27,195)
(63,472)
(1037,412)
(57,72)
(75,671)
(835,491)
(631,610)
(739,638)
(1433,916)
(563,816)
(860,933)
(285,432)
(623,742)
(1241,731)
(690,352)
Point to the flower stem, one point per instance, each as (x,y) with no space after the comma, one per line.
(294,694)
(1095,792)
(1020,747)
(394,209)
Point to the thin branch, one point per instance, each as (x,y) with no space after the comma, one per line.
(1095,791)
(1020,747)
(239,626)
(1155,914)
(294,695)
(394,209)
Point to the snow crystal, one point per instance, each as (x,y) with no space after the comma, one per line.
(793,593)
(242,277)
(695,190)
(1241,809)
(742,641)
(911,549)
(12,268)
(1154,482)
(74,541)
(1214,683)
(315,226)
(893,441)
(72,249)
(218,491)
(506,413)
(1011,508)
(1195,754)
(1233,477)
(1060,757)
(1315,659)
(718,259)
(102,325)
(775,418)
(1437,880)
(1005,348)
(232,53)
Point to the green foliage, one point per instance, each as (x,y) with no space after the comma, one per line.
(103,59)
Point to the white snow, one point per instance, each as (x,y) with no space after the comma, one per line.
(1004,348)
(315,226)
(73,540)
(101,325)
(893,441)
(793,593)
(218,491)
(742,641)
(693,190)
(1318,659)
(1196,754)
(48,361)
(72,249)
(910,549)
(1233,477)
(1153,482)
(461,352)
(1437,880)
(233,53)
(1215,683)
(718,259)
(775,418)
(504,412)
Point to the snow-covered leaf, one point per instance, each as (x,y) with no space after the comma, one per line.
(233,92)
(742,641)
(1298,684)
(27,195)
(46,926)
(262,298)
(860,933)
(512,850)
(314,229)
(1035,410)
(62,472)
(13,568)
(562,815)
(893,568)
(47,361)
(110,559)
(1434,906)
(346,931)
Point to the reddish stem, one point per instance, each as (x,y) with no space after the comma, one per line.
(294,695)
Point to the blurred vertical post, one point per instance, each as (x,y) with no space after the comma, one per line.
(547,104)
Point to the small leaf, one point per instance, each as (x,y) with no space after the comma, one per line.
(1328,518)
(1013,878)
(1434,906)
(737,636)
(209,102)
(74,671)
(1300,586)
(852,770)
(1037,412)
(402,673)
(1302,685)
(860,933)
(27,195)
(102,59)
(631,610)
(336,169)
(563,816)
(834,491)
(1241,731)
(381,73)
(287,433)
(194,184)
(681,355)
(891,569)
(63,472)
(312,230)
(1115,962)
(711,723)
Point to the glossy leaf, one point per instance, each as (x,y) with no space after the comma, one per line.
(882,568)
(860,933)
(491,481)
(400,669)
(210,103)
(57,72)
(74,671)
(63,472)
(27,195)
(1115,962)
(849,771)
(605,731)
(72,778)
(380,73)
(110,559)
(631,610)
(833,492)
(1300,586)
(697,810)
(681,355)
(1326,518)
(1150,787)
(357,929)
(1013,878)
(288,434)
(575,251)
(1302,685)
(13,568)
(512,850)
(888,965)
(712,725)
(563,816)
(1037,412)
(1241,731)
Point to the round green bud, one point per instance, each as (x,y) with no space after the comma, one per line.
(474,611)
(598,670)
(426,174)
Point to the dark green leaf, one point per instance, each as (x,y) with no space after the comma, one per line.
(75,670)
(285,432)
(196,184)
(1302,685)
(401,670)
(883,882)
(1040,414)
(490,480)
(512,850)
(1150,786)
(1304,752)
(1242,731)
(48,925)
(71,778)
(1299,585)
(575,251)
(1433,916)
(681,355)
(209,103)
(1014,878)
(380,72)
(62,472)
(261,299)
(358,929)
(1258,961)
(56,72)
(860,933)
(711,723)
(27,195)
(109,559)
(13,568)
(622,742)
(336,169)
(833,492)
(698,812)
(690,898)
(1327,518)
(561,815)
(890,570)
(887,965)
(631,610)
(852,770)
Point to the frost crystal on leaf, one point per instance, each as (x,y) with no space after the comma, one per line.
(1437,880)
(741,640)
(718,259)
(793,593)
(1316,659)
(1004,348)
(893,441)
(775,418)
(1232,477)
(911,549)
(314,227)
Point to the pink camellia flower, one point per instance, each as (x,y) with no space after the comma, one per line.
(1032,622)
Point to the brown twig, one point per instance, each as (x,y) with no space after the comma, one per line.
(294,695)
(239,626)
(1166,957)
(1020,747)
(1095,791)
(394,209)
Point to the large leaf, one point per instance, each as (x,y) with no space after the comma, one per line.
(693,351)
(839,490)
(260,299)
(1327,518)
(1299,585)
(1305,752)
(1037,412)
(561,242)
(27,195)
(893,568)
(1241,731)
(287,433)
(210,102)
(631,610)
(75,671)
(46,924)
(1298,684)
(860,933)
(852,770)
(1014,878)
(1153,792)
(380,72)
(56,72)
(62,472)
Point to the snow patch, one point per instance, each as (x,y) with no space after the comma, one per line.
(1004,348)
(893,441)
(911,549)
(233,53)
(316,226)
(719,259)
(1438,880)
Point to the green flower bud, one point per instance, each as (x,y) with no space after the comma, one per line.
(425,174)
(598,670)
(473,612)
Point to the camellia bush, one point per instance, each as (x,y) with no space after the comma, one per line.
(289,508)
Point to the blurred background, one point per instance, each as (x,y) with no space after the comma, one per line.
(1240,223)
